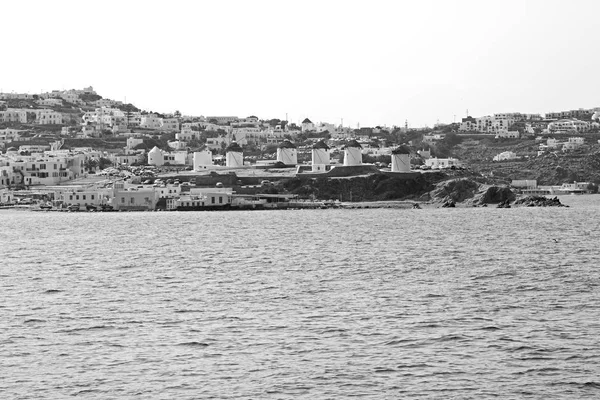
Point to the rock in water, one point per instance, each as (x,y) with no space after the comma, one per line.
(539,201)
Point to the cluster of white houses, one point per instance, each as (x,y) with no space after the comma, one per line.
(38,116)
(50,167)
(551,144)
(502,125)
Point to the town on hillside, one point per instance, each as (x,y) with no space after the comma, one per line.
(74,149)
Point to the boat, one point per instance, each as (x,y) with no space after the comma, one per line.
(46,206)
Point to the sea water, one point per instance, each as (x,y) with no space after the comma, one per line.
(465,303)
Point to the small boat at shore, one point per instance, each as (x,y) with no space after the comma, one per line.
(46,206)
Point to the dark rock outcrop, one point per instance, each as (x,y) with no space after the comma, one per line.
(497,194)
(539,201)
(504,204)
(455,190)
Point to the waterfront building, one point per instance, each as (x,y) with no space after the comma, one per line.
(133,198)
(83,196)
(168,190)
(202,198)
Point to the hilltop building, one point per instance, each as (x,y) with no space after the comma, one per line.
(307,125)
(568,125)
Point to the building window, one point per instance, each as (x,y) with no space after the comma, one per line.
(212,200)
(92,197)
(77,197)
(123,200)
(220,200)
(132,200)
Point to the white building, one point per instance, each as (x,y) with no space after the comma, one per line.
(132,142)
(352,153)
(573,143)
(508,135)
(50,102)
(156,157)
(568,125)
(222,120)
(401,159)
(128,197)
(10,135)
(495,124)
(507,155)
(441,163)
(234,156)
(150,121)
(48,117)
(325,127)
(202,159)
(320,156)
(287,153)
(307,125)
(169,124)
(216,143)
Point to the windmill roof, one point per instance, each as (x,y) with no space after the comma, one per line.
(320,145)
(286,144)
(234,147)
(401,150)
(353,143)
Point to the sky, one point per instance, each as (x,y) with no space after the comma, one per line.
(365,63)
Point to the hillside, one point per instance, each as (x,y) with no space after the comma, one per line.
(551,168)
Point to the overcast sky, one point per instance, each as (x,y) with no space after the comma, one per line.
(369,62)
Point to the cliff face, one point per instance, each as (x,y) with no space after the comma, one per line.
(471,192)
(376,187)
(434,187)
